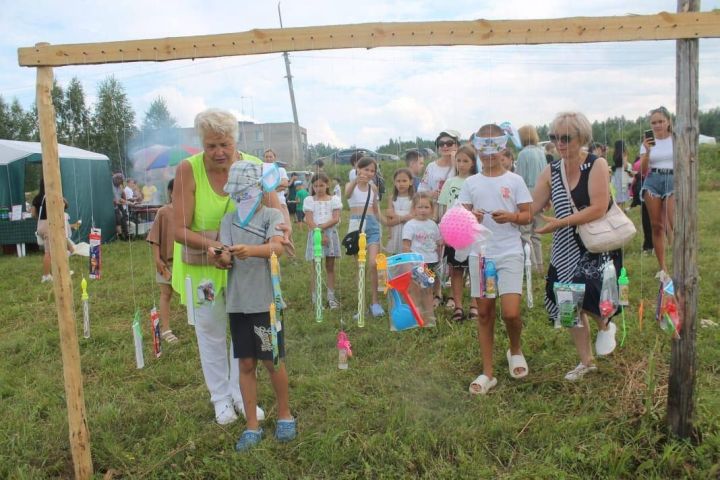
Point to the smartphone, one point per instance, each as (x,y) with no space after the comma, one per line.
(650,136)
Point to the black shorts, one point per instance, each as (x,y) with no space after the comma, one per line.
(252,336)
(450,255)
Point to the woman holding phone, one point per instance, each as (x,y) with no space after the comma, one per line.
(656,153)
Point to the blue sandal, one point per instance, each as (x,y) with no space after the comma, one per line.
(248,440)
(286,430)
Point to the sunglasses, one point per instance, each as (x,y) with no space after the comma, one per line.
(447,143)
(560,138)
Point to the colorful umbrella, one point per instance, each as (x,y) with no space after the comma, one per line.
(171,156)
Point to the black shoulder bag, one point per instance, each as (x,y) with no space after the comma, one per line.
(351,240)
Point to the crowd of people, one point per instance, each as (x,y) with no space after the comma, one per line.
(231,212)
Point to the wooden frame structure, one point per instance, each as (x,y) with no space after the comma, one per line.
(687,27)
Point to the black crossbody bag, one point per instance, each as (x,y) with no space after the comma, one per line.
(352,239)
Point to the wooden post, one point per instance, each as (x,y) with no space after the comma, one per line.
(77,421)
(683,362)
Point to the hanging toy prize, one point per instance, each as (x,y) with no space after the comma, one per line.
(86,308)
(317,255)
(528,276)
(344,350)
(94,241)
(362,245)
(274,335)
(155,329)
(275,277)
(138,340)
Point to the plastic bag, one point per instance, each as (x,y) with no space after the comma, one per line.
(569,299)
(609,296)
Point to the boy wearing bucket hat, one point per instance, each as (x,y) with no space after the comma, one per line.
(250,237)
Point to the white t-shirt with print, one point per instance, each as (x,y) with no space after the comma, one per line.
(505,192)
(322,210)
(424,236)
(661,155)
(435,177)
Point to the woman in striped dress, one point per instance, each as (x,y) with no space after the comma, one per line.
(588,179)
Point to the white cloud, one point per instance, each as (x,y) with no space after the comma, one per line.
(358,96)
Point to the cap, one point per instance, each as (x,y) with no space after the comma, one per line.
(454,134)
(243,174)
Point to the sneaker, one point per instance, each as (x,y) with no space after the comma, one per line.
(605,342)
(46,278)
(248,440)
(224,413)
(578,372)
(286,430)
(377,310)
(240,409)
(332,301)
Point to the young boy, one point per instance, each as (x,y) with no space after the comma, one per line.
(501,202)
(250,238)
(300,197)
(162,241)
(415,162)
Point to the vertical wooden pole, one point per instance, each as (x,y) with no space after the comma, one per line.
(77,421)
(683,362)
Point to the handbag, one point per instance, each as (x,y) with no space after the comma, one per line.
(199,256)
(351,241)
(610,232)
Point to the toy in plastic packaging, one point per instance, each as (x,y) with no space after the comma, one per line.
(623,288)
(667,311)
(94,240)
(138,340)
(410,292)
(569,298)
(344,350)
(609,300)
(490,279)
(423,276)
(476,268)
(155,329)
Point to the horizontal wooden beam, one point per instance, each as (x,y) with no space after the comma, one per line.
(662,26)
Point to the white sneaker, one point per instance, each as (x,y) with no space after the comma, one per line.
(605,342)
(224,413)
(46,278)
(332,301)
(240,409)
(578,372)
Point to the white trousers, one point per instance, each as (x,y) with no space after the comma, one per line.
(221,370)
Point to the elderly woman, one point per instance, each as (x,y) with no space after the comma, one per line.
(199,204)
(656,153)
(588,180)
(529,165)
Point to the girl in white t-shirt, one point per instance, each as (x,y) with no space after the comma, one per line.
(422,235)
(322,210)
(440,170)
(399,210)
(501,202)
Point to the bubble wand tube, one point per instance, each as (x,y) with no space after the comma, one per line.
(317,253)
(86,308)
(362,245)
(528,275)
(275,276)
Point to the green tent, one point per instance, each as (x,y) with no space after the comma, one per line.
(86,183)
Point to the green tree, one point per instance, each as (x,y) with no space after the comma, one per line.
(77,115)
(5,127)
(21,121)
(158,116)
(113,123)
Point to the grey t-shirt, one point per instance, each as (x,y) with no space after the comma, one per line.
(249,288)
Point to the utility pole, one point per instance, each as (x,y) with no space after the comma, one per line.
(298,135)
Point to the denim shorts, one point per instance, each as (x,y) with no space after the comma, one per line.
(371,227)
(659,185)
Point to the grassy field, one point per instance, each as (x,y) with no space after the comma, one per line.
(401,411)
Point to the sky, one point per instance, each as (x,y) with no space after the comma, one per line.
(355,96)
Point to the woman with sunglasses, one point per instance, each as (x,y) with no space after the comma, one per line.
(588,180)
(656,153)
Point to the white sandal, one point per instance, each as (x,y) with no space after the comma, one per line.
(515,362)
(169,336)
(482,385)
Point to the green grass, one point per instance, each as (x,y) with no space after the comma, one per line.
(401,411)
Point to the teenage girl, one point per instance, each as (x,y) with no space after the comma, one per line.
(398,211)
(322,210)
(465,166)
(356,192)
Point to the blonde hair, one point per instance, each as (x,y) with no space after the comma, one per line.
(528,135)
(216,121)
(423,196)
(576,123)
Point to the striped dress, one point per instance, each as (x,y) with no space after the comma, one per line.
(569,260)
